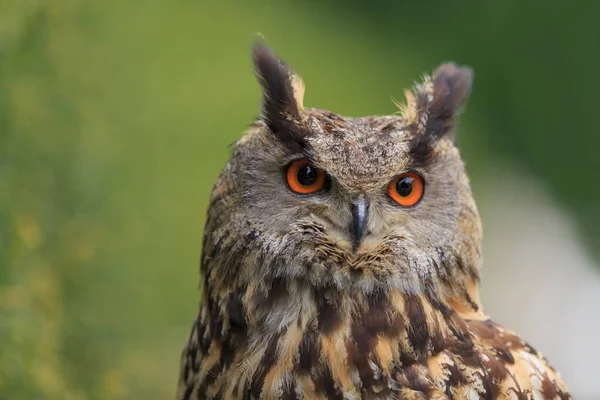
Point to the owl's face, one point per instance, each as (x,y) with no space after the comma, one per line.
(355,202)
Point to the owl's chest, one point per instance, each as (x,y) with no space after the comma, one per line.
(298,365)
(314,354)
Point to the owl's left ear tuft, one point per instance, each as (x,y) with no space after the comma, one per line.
(432,107)
(283,93)
(451,87)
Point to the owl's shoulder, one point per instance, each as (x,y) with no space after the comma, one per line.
(494,363)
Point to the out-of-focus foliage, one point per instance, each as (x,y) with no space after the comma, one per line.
(115,118)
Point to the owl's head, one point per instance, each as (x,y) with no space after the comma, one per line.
(355,203)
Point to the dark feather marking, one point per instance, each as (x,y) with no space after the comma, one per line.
(378,319)
(418,331)
(469,300)
(563,396)
(248,394)
(406,358)
(228,350)
(186,367)
(219,395)
(436,303)
(492,370)
(463,345)
(237,313)
(358,353)
(188,392)
(210,378)
(281,112)
(324,383)
(490,385)
(497,372)
(308,352)
(329,317)
(375,321)
(504,354)
(518,392)
(530,349)
(216,322)
(203,339)
(420,151)
(438,343)
(267,361)
(454,378)
(451,89)
(415,380)
(289,392)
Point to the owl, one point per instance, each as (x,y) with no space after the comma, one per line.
(341,260)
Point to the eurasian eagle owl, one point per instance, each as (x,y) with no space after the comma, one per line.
(341,260)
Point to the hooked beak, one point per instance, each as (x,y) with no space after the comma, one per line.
(359,221)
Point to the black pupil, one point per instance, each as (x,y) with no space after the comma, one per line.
(404,186)
(307,175)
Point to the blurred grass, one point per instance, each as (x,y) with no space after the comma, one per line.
(115,118)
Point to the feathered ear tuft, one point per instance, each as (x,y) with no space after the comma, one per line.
(283,94)
(433,105)
(451,89)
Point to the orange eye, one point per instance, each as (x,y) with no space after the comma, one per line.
(304,178)
(407,189)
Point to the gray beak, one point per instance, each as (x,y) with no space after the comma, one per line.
(359,221)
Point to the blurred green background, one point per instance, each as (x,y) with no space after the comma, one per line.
(115,118)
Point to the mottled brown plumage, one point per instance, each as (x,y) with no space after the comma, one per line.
(299,301)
